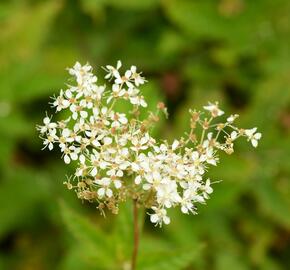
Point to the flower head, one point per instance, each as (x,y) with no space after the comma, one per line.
(115,155)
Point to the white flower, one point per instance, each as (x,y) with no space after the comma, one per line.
(61,102)
(167,194)
(70,153)
(124,79)
(78,111)
(159,216)
(98,92)
(175,145)
(80,71)
(252,136)
(139,101)
(210,159)
(187,205)
(198,162)
(113,71)
(136,76)
(138,180)
(232,118)
(107,140)
(119,119)
(48,125)
(94,171)
(140,144)
(214,109)
(117,183)
(115,173)
(207,189)
(104,189)
(132,92)
(153,180)
(51,138)
(234,135)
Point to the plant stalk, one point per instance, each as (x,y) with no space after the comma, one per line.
(136,236)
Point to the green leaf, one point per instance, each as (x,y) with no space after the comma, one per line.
(133,4)
(207,20)
(96,243)
(75,259)
(32,26)
(123,231)
(273,203)
(22,192)
(168,260)
(17,63)
(95,8)
(230,260)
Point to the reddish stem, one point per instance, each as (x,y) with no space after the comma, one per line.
(136,235)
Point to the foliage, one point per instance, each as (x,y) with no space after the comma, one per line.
(235,51)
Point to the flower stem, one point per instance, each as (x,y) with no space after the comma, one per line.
(136,236)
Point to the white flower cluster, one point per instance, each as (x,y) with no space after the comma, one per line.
(115,155)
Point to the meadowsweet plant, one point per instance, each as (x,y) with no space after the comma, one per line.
(115,155)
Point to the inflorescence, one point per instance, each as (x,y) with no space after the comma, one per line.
(116,157)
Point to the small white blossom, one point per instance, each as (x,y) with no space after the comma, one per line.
(207,189)
(253,136)
(113,71)
(61,102)
(160,216)
(139,101)
(47,125)
(234,135)
(104,189)
(214,109)
(50,139)
(175,145)
(232,118)
(136,76)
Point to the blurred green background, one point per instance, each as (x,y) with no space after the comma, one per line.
(191,52)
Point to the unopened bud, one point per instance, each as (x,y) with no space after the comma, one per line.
(161,106)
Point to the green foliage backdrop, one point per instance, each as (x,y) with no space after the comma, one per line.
(191,51)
